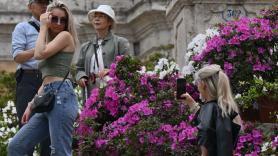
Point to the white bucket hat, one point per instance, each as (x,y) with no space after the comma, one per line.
(106,9)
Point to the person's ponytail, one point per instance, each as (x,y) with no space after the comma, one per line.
(225,98)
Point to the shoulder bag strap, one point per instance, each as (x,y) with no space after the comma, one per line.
(62,81)
(34,25)
(96,57)
(116,42)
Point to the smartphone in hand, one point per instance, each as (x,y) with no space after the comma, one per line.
(181,87)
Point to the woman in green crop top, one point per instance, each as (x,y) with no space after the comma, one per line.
(55,48)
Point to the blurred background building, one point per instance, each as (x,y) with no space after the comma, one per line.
(147,24)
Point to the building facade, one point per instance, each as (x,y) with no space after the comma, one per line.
(147,24)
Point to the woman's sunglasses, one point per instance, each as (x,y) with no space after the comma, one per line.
(58,20)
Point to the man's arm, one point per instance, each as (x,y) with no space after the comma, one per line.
(23,56)
(19,42)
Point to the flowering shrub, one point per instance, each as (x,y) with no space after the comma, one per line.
(270,14)
(195,47)
(250,142)
(8,125)
(136,114)
(244,48)
(256,140)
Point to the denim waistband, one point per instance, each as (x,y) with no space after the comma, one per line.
(54,85)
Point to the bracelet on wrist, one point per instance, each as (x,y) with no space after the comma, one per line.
(195,107)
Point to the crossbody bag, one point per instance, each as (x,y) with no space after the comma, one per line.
(44,102)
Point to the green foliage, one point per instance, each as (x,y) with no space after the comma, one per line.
(127,71)
(7,88)
(152,59)
(259,88)
(127,68)
(8,117)
(79,93)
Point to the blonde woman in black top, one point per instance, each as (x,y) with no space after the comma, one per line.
(216,118)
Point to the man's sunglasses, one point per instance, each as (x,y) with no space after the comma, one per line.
(46,2)
(58,20)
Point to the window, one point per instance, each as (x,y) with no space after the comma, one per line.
(136,47)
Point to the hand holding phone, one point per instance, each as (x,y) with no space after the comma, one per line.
(181,88)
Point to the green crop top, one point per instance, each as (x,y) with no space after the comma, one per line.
(56,65)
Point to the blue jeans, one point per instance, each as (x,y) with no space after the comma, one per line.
(58,123)
(27,85)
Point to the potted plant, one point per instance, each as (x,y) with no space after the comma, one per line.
(262,98)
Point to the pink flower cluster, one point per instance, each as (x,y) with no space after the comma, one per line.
(250,143)
(233,34)
(177,136)
(132,117)
(121,125)
(256,140)
(244,48)
(248,42)
(274,142)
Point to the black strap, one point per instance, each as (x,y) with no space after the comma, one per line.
(34,25)
(95,48)
(116,41)
(62,82)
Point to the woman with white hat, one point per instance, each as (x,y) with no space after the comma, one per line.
(97,54)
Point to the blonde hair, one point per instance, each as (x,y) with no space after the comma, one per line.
(70,26)
(218,85)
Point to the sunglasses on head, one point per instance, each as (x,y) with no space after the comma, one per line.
(58,20)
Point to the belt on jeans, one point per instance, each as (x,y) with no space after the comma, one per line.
(31,71)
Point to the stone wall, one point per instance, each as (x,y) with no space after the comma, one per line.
(147,24)
(142,22)
(190,17)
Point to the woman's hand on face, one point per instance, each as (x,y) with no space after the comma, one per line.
(82,82)
(45,19)
(188,99)
(26,116)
